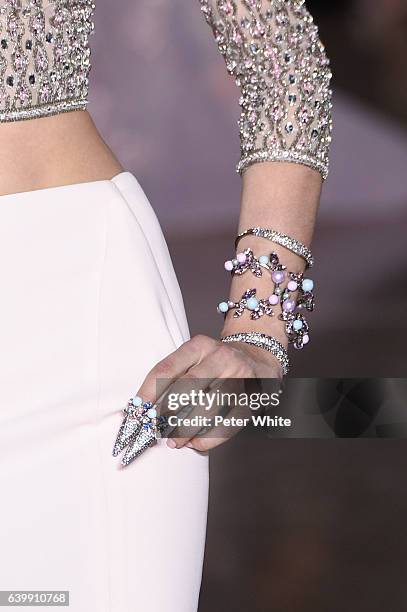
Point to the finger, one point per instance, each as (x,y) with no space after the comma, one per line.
(203,420)
(205,444)
(230,425)
(225,427)
(190,419)
(228,420)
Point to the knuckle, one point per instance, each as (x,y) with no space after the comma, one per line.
(188,376)
(200,444)
(224,354)
(201,342)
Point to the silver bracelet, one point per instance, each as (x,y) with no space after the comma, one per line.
(263,341)
(283,240)
(296,326)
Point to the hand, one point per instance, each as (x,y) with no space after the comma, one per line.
(199,361)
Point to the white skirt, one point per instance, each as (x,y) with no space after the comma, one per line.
(89,302)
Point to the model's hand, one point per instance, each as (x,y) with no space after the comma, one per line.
(196,363)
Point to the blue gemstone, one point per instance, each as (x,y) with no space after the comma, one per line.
(223,307)
(264,260)
(297,325)
(136,401)
(307,284)
(252,303)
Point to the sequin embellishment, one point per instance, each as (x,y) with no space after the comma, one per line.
(44,57)
(273,51)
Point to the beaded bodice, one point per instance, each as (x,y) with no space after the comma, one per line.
(44,56)
(272,49)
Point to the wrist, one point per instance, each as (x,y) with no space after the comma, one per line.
(267,364)
(268,345)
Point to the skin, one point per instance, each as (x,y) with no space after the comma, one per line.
(284,196)
(67,148)
(53,151)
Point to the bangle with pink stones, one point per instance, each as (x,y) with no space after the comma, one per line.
(285,284)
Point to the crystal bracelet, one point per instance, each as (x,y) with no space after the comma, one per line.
(296,325)
(293,245)
(265,342)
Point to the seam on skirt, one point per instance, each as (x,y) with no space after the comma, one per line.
(99,397)
(43,191)
(131,190)
(175,318)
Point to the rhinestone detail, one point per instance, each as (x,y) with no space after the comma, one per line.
(45,54)
(263,341)
(293,245)
(45,110)
(273,50)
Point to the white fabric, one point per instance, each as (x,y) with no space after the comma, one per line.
(89,302)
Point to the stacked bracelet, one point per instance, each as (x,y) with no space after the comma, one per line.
(263,341)
(296,326)
(290,291)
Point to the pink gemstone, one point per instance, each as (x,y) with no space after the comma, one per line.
(309,88)
(278,276)
(305,339)
(44,94)
(292,286)
(269,50)
(237,37)
(241,257)
(23,96)
(259,31)
(19,61)
(277,113)
(273,299)
(277,71)
(228,8)
(288,305)
(12,26)
(228,266)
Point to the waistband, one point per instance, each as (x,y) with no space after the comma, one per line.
(121,180)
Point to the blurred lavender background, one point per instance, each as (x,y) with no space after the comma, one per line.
(293,525)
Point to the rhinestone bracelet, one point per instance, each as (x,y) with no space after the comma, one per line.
(296,325)
(283,240)
(265,342)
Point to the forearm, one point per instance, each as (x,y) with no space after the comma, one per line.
(283,196)
(280,196)
(273,51)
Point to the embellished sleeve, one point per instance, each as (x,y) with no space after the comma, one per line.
(273,51)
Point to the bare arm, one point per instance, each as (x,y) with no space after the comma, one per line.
(285,197)
(273,51)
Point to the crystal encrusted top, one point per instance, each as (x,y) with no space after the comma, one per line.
(272,49)
(44,57)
